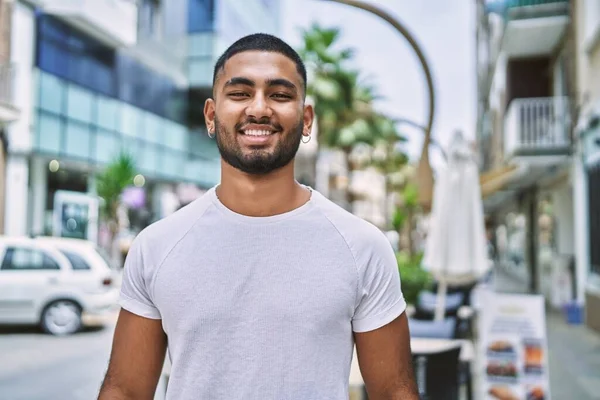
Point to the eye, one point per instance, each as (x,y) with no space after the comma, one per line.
(281,96)
(238,94)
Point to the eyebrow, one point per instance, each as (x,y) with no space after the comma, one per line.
(238,80)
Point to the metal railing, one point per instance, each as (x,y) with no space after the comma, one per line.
(6,83)
(537,126)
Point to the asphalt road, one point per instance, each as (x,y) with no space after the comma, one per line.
(37,366)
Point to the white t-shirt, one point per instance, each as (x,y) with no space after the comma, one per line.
(262,307)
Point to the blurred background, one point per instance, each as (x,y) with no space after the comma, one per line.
(102,133)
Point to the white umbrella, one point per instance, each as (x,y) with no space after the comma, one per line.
(455,249)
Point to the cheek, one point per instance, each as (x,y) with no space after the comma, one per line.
(290,116)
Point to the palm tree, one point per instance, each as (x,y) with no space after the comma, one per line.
(110,184)
(343,103)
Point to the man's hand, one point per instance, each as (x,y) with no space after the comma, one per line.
(136,360)
(385,361)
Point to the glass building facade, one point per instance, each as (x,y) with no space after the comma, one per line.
(67,53)
(214,24)
(93,101)
(77,123)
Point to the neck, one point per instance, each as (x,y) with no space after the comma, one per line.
(261,195)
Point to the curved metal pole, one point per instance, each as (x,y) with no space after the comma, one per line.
(424,171)
(415,46)
(424,129)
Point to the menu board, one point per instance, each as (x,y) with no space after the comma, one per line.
(513,347)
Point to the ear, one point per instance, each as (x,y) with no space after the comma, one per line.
(308,118)
(209,115)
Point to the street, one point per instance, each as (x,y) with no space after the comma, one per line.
(36,366)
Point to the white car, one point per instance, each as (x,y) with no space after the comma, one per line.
(61,284)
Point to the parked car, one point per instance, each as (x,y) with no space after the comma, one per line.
(60,284)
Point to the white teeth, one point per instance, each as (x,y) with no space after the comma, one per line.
(254,132)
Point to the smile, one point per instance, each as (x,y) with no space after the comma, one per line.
(257,132)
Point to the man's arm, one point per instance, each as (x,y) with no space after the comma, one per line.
(136,360)
(385,361)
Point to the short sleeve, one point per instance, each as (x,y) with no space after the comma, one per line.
(379,298)
(135,289)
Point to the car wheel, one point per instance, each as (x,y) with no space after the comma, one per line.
(62,317)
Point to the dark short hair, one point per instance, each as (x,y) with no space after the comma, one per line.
(261,42)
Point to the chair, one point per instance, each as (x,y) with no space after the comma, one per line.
(465,290)
(426,302)
(438,374)
(445,329)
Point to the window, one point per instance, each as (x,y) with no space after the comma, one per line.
(52,92)
(23,259)
(77,262)
(78,140)
(67,53)
(64,52)
(200,15)
(48,133)
(147,17)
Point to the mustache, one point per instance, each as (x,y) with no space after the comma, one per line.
(262,121)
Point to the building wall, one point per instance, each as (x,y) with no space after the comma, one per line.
(587,33)
(19,133)
(5,27)
(587,15)
(82,101)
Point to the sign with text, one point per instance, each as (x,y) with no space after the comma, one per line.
(513,347)
(75,215)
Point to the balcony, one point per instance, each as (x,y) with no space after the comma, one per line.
(536,130)
(113,22)
(8,110)
(534,27)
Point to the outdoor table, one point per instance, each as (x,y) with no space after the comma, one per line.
(426,346)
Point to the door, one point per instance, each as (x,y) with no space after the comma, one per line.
(27,277)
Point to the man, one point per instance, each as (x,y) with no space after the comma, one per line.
(261,286)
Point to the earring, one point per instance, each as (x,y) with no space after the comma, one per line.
(307,140)
(211,134)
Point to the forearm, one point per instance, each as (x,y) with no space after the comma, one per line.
(113,393)
(403,387)
(112,390)
(397,393)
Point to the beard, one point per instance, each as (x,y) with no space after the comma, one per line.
(257,161)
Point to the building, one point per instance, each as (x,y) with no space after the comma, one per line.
(96,77)
(526,90)
(586,159)
(8,110)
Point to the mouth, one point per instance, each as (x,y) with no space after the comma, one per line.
(257,135)
(257,132)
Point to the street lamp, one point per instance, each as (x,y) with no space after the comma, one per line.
(424,173)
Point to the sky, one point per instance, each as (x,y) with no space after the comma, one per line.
(445,30)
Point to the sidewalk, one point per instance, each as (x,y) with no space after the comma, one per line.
(574,359)
(574,351)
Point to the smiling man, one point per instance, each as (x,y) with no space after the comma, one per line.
(261,287)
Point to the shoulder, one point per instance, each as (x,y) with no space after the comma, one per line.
(157,240)
(364,239)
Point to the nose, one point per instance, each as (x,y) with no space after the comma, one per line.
(259,107)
